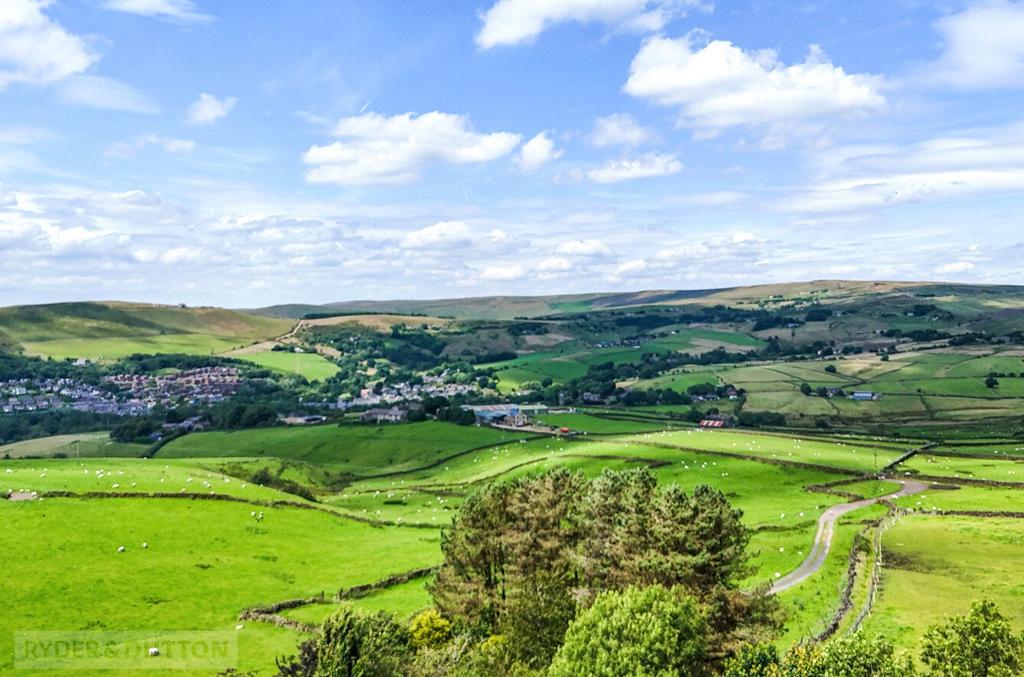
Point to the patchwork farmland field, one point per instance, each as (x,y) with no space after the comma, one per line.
(310,366)
(413,474)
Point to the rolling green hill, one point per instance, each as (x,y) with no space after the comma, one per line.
(991,298)
(107,330)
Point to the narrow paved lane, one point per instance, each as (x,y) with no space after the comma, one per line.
(826,530)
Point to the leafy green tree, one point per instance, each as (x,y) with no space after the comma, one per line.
(539,610)
(978,644)
(640,631)
(992,382)
(634,534)
(356,645)
(503,535)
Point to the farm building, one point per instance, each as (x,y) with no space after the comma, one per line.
(391,415)
(303,419)
(717,421)
(516,415)
(865,396)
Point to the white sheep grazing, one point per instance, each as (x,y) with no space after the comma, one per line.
(153,651)
(120,548)
(145,545)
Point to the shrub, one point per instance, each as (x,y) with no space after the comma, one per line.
(429,629)
(354,645)
(754,660)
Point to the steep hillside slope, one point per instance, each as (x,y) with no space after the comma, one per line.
(113,329)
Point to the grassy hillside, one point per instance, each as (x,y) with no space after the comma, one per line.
(111,329)
(8,344)
(967,297)
(483,308)
(350,448)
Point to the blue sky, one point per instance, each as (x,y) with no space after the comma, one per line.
(243,153)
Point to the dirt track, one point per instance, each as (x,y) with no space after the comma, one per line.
(826,530)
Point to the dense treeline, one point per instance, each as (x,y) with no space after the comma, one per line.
(33,424)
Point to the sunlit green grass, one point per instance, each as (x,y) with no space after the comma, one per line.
(937,566)
(310,366)
(843,455)
(353,448)
(205,562)
(1009,470)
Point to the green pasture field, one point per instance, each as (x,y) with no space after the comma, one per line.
(790,402)
(871,488)
(985,448)
(973,498)
(964,408)
(404,601)
(310,366)
(205,562)
(581,422)
(840,455)
(326,552)
(74,445)
(353,448)
(937,566)
(680,380)
(984,365)
(123,475)
(999,470)
(953,386)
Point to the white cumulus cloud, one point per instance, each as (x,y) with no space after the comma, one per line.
(36,50)
(631,266)
(720,85)
(955,267)
(511,271)
(207,109)
(984,47)
(537,152)
(642,166)
(374,149)
(619,129)
(512,22)
(555,264)
(440,234)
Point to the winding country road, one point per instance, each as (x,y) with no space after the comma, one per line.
(826,530)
